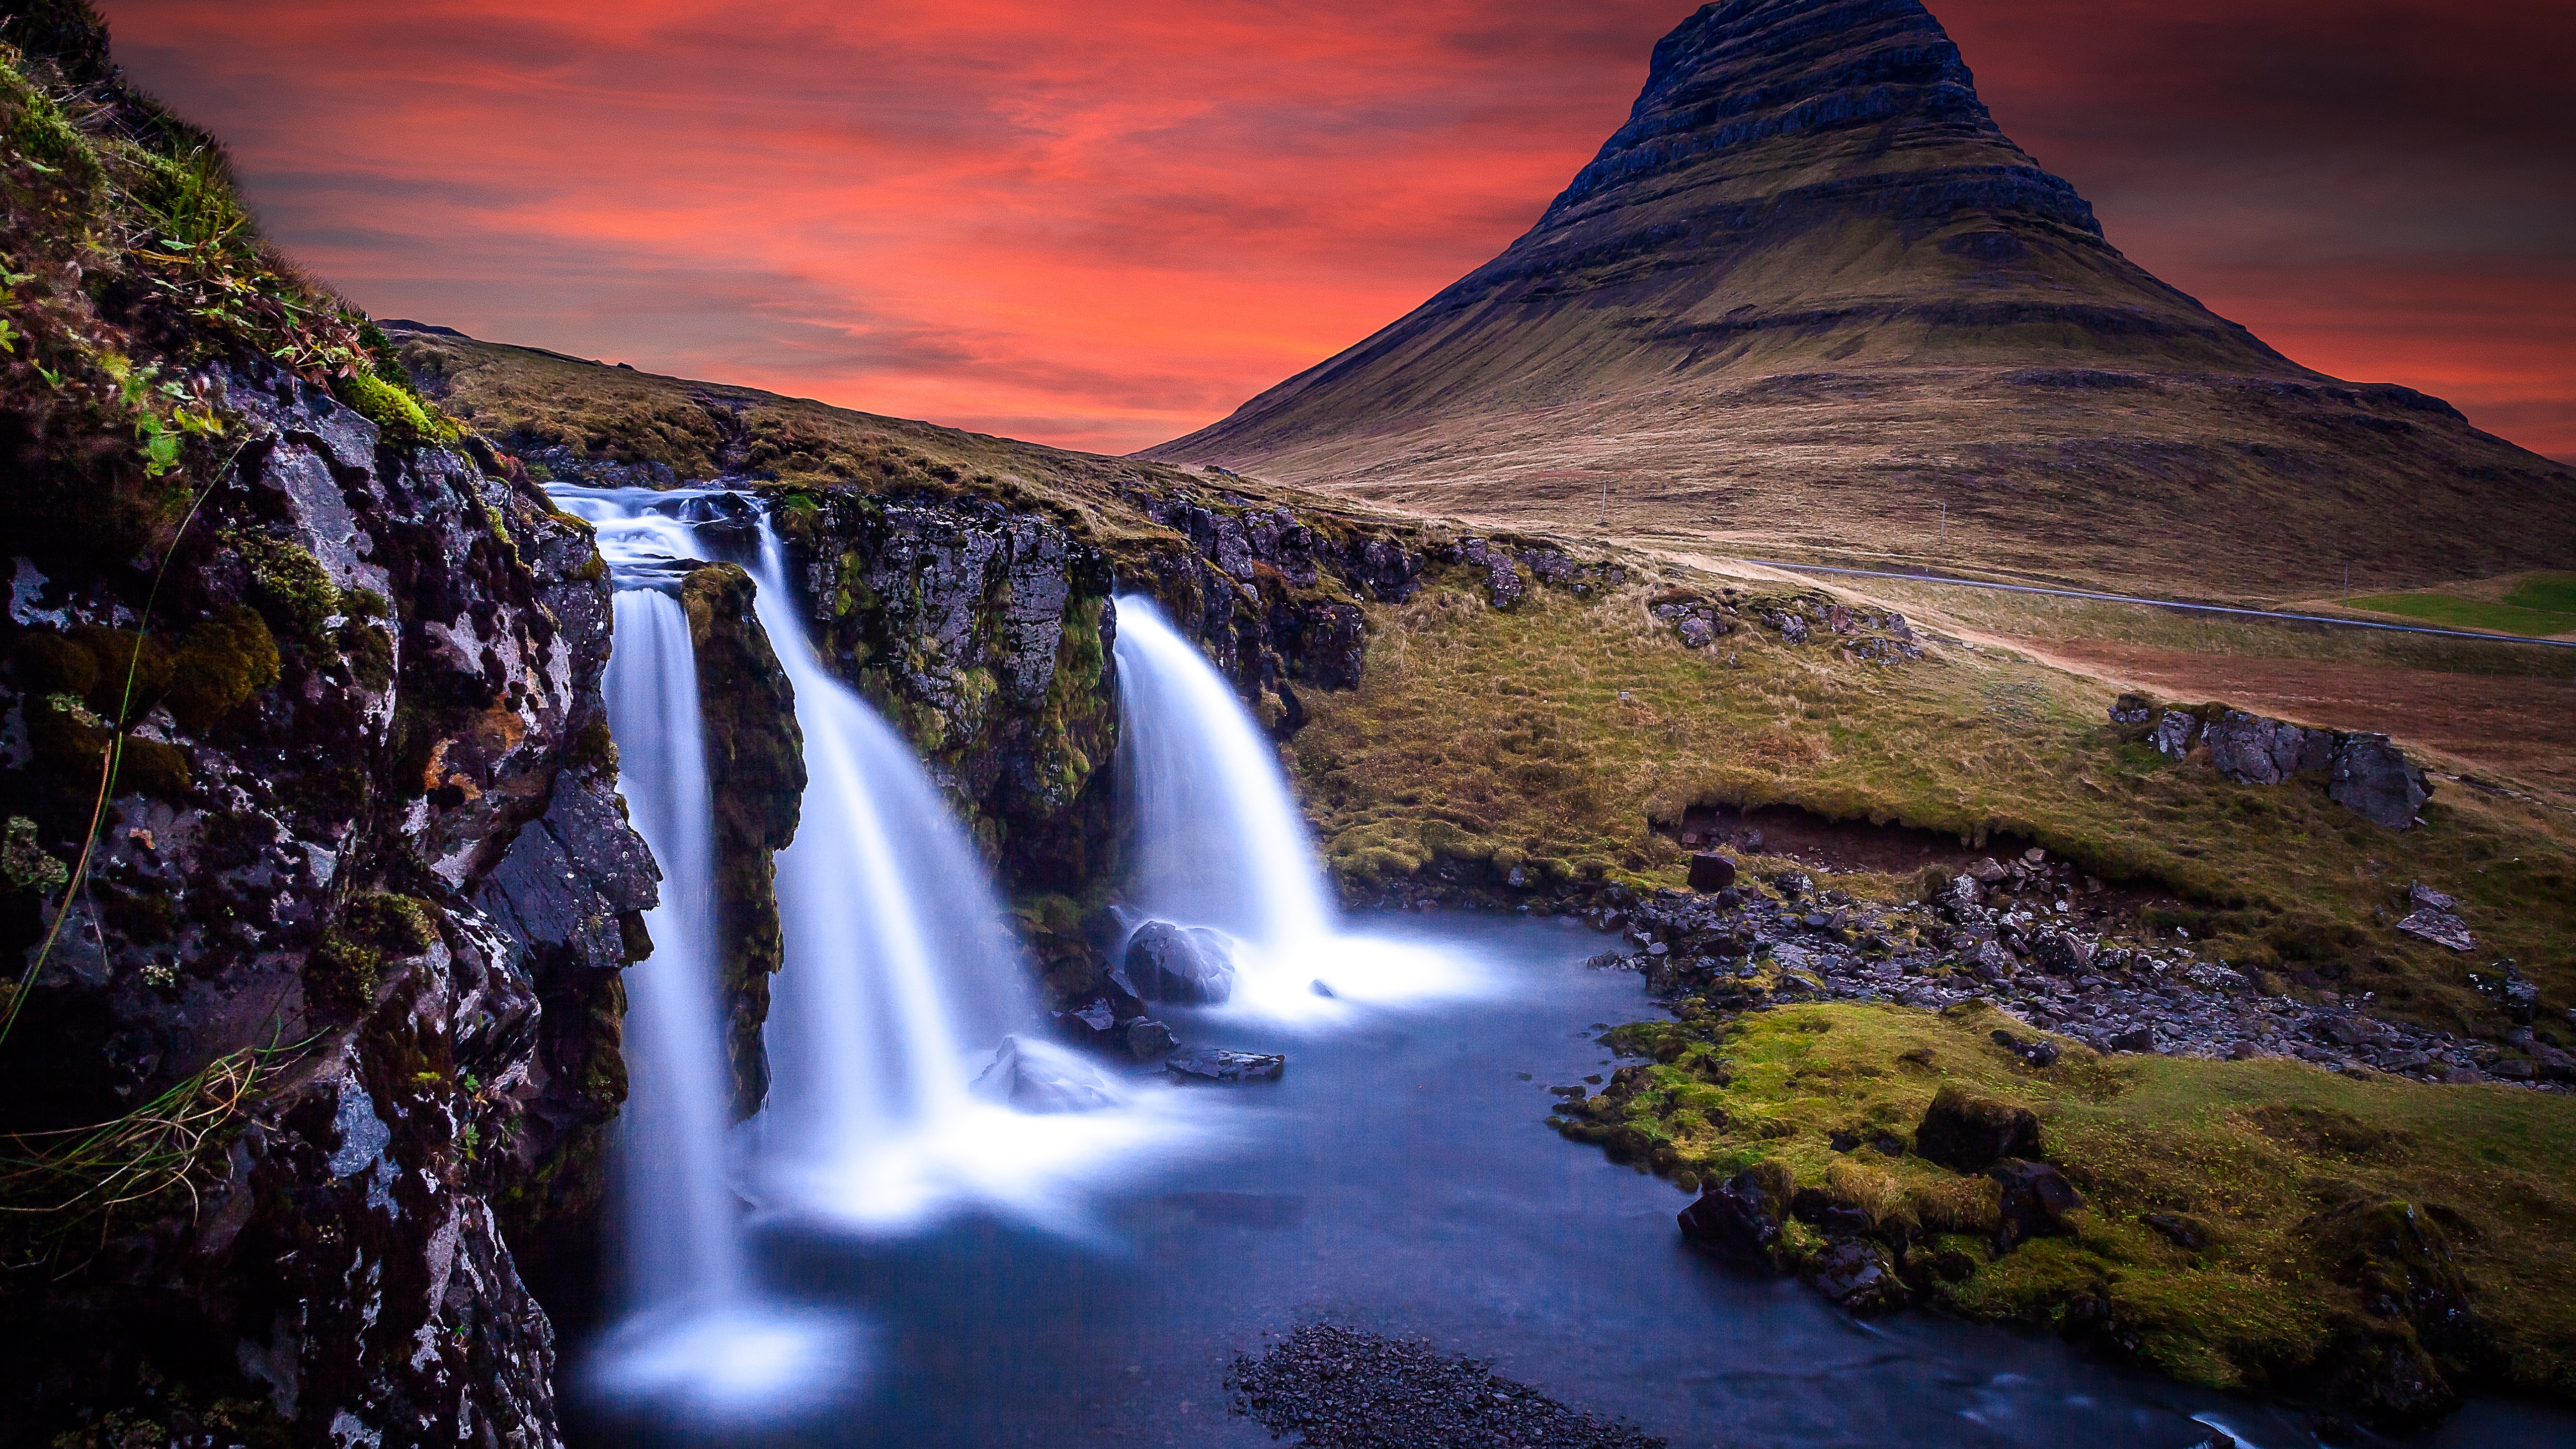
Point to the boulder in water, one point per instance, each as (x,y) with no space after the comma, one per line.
(1216,1064)
(1148,1039)
(1180,963)
(1033,1078)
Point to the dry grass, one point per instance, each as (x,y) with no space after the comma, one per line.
(1551,736)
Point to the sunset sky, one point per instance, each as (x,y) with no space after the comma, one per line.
(1103,226)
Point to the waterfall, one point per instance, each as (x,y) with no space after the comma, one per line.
(901,986)
(1222,844)
(694,1333)
(1220,839)
(682,1235)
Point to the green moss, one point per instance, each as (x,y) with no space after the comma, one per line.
(344,971)
(394,408)
(223,661)
(291,583)
(24,865)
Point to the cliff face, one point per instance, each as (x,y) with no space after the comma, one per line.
(1810,295)
(314,930)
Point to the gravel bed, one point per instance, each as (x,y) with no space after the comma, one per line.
(1344,1389)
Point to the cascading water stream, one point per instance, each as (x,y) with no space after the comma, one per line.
(901,982)
(682,1238)
(1220,840)
(693,1329)
(1222,844)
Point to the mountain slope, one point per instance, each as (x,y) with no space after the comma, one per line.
(1811,298)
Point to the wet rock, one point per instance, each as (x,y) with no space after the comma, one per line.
(756,776)
(1740,1217)
(2034,1203)
(1969,1134)
(1148,1039)
(1217,1064)
(1032,1079)
(1187,964)
(2441,928)
(1092,1023)
(1857,1276)
(1819,1208)
(2373,778)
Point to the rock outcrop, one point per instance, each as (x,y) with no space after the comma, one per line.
(355,908)
(756,773)
(2365,773)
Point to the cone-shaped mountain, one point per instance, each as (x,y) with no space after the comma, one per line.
(1810,294)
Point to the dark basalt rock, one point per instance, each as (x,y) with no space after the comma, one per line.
(2035,1201)
(1216,1064)
(1711,872)
(1970,1134)
(1189,964)
(1336,1388)
(1740,1217)
(1857,1276)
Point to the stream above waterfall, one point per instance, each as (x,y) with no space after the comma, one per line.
(1400,1178)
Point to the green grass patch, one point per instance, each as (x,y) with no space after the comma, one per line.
(2452,612)
(2549,593)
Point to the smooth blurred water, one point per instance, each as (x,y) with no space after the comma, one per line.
(1222,843)
(681,1239)
(1401,1178)
(1219,839)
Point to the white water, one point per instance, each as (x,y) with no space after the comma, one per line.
(693,1329)
(899,985)
(1220,840)
(682,1240)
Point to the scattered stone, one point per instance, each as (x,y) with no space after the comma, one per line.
(2037,1053)
(2424,897)
(2174,734)
(2373,779)
(2137,1039)
(2132,709)
(1217,1064)
(1711,872)
(2441,928)
(1970,1134)
(2189,1234)
(1338,1388)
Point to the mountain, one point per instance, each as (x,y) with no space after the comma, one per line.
(1811,298)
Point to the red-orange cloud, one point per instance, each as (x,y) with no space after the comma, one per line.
(1104,226)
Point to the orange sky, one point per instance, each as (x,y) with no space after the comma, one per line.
(1104,226)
